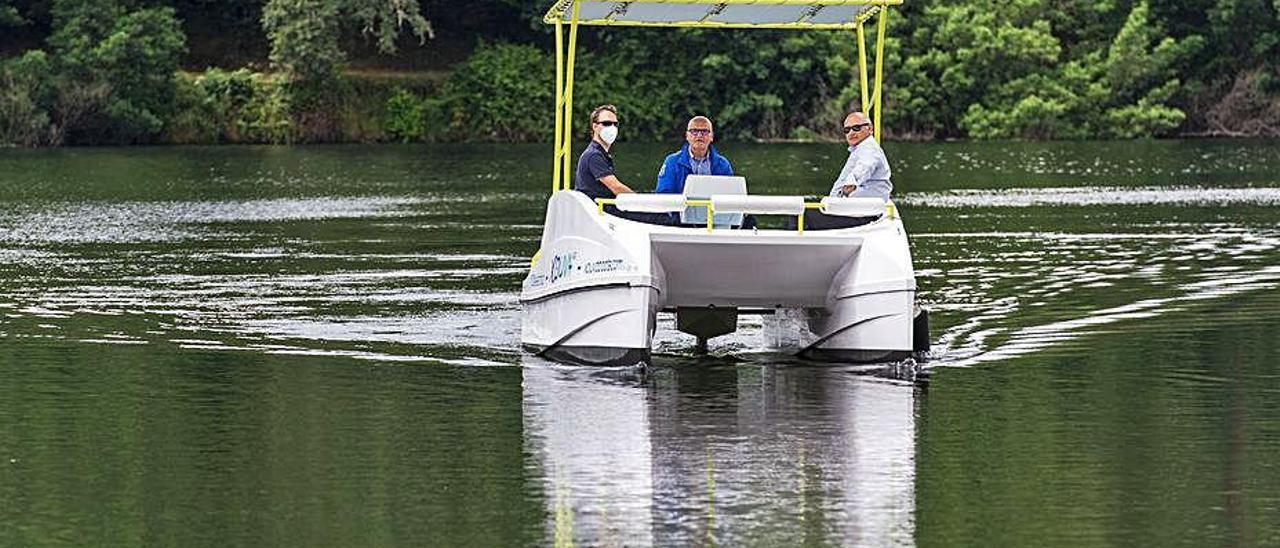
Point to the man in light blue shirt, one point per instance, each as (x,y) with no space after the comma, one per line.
(866,172)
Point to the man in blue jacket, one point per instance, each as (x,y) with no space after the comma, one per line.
(696,157)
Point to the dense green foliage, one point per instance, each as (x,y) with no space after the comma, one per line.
(998,70)
(368,70)
(304,34)
(232,106)
(503,92)
(23,119)
(760,84)
(753,84)
(108,77)
(405,117)
(304,37)
(9,15)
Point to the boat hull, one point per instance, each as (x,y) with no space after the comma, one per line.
(609,324)
(594,291)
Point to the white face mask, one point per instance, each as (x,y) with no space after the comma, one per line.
(609,134)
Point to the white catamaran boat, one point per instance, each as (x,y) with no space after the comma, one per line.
(595,287)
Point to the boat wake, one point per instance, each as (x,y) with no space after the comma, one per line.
(962,346)
(1048,306)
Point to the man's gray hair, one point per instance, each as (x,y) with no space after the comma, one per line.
(861,115)
(700,118)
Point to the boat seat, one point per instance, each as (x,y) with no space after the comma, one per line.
(703,187)
(759,205)
(837,213)
(853,207)
(650,203)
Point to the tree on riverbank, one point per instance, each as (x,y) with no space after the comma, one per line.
(107,77)
(9,15)
(1022,80)
(305,34)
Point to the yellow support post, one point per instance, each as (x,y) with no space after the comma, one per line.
(702,203)
(880,20)
(800,223)
(568,97)
(556,161)
(862,68)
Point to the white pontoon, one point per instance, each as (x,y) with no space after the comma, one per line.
(598,282)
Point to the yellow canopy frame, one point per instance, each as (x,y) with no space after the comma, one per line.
(767,14)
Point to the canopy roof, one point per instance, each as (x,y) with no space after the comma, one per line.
(768,14)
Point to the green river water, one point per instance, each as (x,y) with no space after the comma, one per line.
(319,346)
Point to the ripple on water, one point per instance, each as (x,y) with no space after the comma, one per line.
(1028,290)
(1090,196)
(1036,338)
(124,222)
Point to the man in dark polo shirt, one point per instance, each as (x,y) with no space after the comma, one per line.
(596,176)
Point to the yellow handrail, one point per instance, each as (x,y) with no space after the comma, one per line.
(890,210)
(800,217)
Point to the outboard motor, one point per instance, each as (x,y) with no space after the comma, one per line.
(706,322)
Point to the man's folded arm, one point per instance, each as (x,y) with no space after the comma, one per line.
(615,185)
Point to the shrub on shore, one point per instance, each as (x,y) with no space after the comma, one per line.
(405,117)
(501,93)
(237,106)
(242,106)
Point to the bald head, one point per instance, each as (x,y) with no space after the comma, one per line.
(857,126)
(699,122)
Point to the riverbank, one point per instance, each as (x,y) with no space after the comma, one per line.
(480,101)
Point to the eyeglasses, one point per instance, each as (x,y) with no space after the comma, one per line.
(855,127)
(607,123)
(700,131)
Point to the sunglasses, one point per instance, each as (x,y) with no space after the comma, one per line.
(700,131)
(855,127)
(607,123)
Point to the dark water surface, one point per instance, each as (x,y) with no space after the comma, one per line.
(320,347)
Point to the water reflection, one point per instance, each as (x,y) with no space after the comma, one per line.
(722,454)
(134,222)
